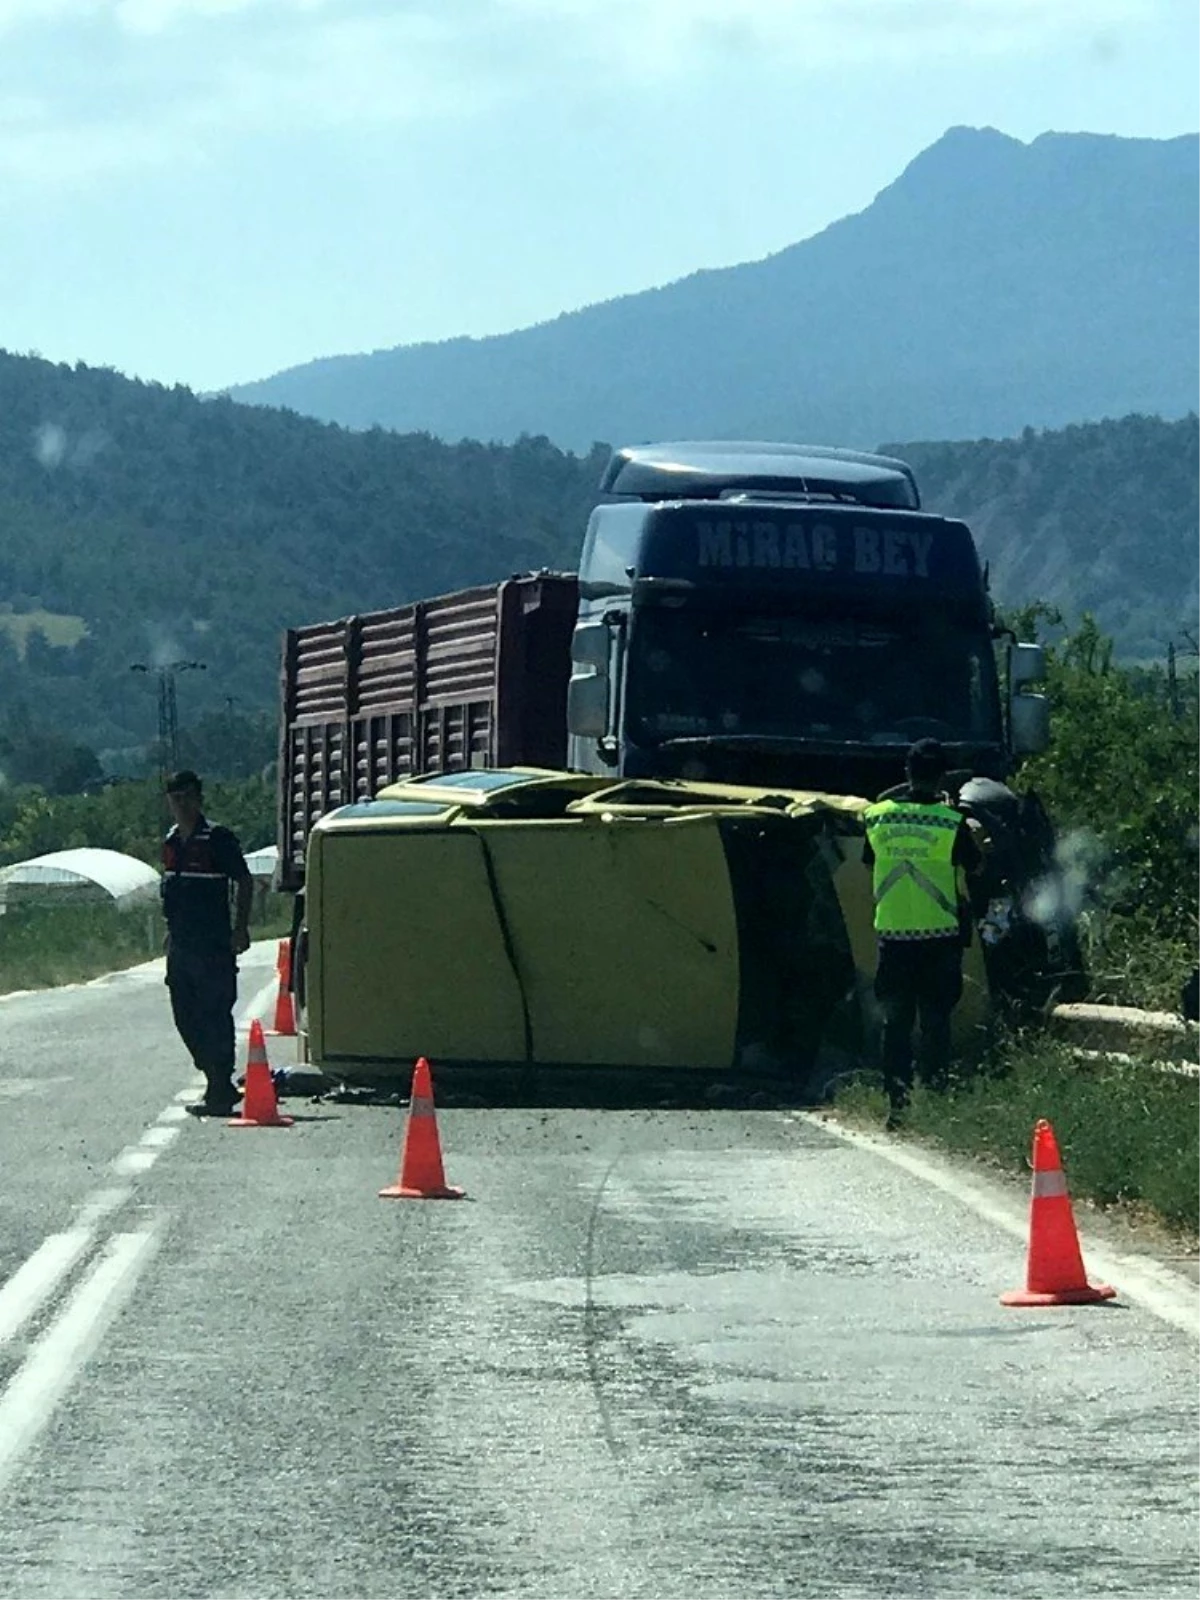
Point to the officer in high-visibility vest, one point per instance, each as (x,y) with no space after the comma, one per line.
(917,844)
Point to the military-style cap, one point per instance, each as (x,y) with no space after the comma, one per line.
(181,782)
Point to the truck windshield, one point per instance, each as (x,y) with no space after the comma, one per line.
(707,674)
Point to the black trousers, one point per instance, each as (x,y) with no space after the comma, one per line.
(203,990)
(917,977)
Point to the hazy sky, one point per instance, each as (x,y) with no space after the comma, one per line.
(204,191)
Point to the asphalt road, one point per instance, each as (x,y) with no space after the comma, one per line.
(720,1354)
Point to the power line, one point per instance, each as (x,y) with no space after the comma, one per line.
(168,714)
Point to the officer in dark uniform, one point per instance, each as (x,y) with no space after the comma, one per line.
(916,845)
(200,862)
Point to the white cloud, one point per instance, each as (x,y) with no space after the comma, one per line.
(666,39)
(39,152)
(348,71)
(16,14)
(304,64)
(156,16)
(153,16)
(775,18)
(178,79)
(139,16)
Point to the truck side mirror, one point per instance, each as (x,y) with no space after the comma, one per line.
(1029,724)
(587,705)
(1026,664)
(590,645)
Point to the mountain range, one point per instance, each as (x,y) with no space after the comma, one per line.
(141,525)
(994,285)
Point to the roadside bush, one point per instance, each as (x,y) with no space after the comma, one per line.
(45,945)
(1120,780)
(129,817)
(41,946)
(1129,1133)
(1132,961)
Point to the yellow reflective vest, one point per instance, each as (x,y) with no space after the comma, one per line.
(916,888)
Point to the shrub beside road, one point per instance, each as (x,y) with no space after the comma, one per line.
(1128,1130)
(43,946)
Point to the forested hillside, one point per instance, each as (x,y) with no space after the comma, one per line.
(180,529)
(141,524)
(1099,518)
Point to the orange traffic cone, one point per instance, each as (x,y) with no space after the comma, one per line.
(285,1011)
(1054,1274)
(260,1108)
(421,1175)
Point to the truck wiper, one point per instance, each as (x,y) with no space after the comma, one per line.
(755,741)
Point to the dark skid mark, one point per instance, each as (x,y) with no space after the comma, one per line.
(592,1335)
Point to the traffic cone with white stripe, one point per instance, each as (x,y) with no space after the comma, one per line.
(260,1108)
(1054,1274)
(285,1010)
(421,1175)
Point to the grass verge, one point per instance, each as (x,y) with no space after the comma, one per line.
(43,946)
(1129,1134)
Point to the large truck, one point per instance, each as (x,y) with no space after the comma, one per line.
(472,679)
(752,628)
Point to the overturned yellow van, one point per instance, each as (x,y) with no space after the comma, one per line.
(525,919)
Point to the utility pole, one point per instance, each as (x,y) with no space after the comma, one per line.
(168,715)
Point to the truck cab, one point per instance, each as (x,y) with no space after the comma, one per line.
(787,614)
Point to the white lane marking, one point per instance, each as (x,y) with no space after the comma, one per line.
(159,1136)
(60,1354)
(134,1159)
(36,1279)
(1165,1294)
(99,1205)
(39,1276)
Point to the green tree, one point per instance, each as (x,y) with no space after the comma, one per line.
(1121,777)
(130,817)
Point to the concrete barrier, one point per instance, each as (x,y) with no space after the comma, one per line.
(1160,1035)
